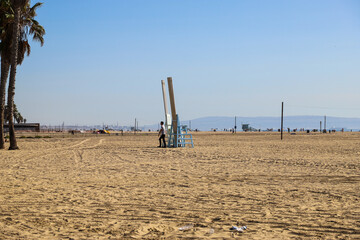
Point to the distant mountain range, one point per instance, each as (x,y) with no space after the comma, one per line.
(263,123)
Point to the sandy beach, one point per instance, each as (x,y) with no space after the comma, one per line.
(124,187)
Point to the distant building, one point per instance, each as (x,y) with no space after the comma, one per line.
(24,127)
(245,127)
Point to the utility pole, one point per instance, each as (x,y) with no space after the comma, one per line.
(282,119)
(235,125)
(320,126)
(190,125)
(135,127)
(325,122)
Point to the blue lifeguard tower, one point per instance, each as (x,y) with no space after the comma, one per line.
(178,135)
(181,138)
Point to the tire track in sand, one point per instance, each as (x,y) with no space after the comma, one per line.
(56,150)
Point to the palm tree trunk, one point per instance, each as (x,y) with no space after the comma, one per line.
(5,67)
(11,89)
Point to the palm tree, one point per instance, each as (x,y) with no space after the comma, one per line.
(5,35)
(17,5)
(28,26)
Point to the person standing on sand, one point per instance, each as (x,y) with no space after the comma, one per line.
(162,134)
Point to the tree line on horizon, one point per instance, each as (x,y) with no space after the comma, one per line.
(17,25)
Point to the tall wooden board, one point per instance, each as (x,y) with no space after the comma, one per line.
(173,109)
(167,115)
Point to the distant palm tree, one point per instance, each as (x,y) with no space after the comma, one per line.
(17,115)
(28,26)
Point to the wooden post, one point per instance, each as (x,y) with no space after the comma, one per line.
(325,122)
(165,103)
(320,125)
(173,109)
(135,127)
(282,119)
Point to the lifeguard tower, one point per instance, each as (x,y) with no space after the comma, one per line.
(178,135)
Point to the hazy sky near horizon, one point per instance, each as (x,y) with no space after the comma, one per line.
(102,61)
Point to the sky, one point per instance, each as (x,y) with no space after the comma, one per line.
(103,61)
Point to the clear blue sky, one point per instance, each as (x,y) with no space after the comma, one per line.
(102,61)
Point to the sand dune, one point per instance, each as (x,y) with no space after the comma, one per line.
(124,187)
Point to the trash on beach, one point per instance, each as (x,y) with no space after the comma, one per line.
(239,229)
(211,231)
(186,227)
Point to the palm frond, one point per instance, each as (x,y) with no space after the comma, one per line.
(29,27)
(35,7)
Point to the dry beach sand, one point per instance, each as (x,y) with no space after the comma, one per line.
(124,187)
